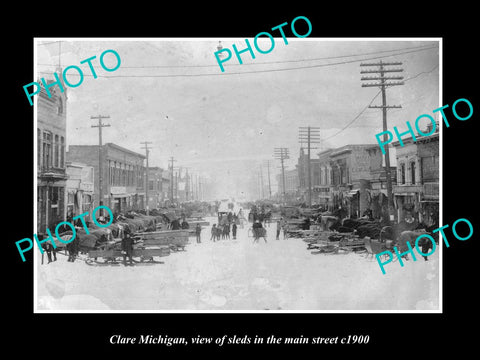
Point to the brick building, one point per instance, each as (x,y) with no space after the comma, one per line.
(123,175)
(51,141)
(417,188)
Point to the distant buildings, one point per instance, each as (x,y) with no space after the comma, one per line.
(158,187)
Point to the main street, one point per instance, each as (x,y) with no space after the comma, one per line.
(241,275)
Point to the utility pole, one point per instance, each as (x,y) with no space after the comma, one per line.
(269,183)
(100,156)
(282,154)
(146,175)
(187,184)
(262,187)
(172,160)
(310,135)
(384,81)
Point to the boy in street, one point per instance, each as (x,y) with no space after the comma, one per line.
(198,230)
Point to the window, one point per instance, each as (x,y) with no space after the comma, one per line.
(402,174)
(150,184)
(412,172)
(56,146)
(62,152)
(39,147)
(60,106)
(46,150)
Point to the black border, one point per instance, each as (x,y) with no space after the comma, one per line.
(56,334)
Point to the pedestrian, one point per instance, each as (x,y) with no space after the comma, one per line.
(214,233)
(127,247)
(48,247)
(285,230)
(227,231)
(219,232)
(198,230)
(279,227)
(234,231)
(72,247)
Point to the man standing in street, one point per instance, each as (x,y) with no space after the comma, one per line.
(279,227)
(198,230)
(214,232)
(127,247)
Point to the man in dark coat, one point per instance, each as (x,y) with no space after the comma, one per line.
(234,231)
(127,247)
(73,248)
(198,230)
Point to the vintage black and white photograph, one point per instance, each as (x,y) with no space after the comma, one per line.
(209,175)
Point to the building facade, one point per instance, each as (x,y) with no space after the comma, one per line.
(79,192)
(123,175)
(156,195)
(291,185)
(357,179)
(417,188)
(51,171)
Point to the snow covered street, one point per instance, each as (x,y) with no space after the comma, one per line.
(241,275)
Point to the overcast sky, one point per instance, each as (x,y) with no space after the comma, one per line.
(212,122)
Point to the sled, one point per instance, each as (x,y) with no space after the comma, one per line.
(174,239)
(109,257)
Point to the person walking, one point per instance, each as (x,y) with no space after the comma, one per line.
(227,231)
(73,248)
(234,231)
(279,227)
(198,230)
(214,233)
(127,247)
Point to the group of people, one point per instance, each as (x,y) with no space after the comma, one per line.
(223,231)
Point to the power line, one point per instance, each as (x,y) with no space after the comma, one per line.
(371,101)
(254,71)
(270,62)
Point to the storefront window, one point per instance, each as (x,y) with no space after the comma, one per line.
(412,172)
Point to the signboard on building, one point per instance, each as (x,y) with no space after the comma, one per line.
(118,190)
(87,187)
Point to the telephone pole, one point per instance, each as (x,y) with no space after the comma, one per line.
(260,177)
(267,162)
(146,175)
(383,82)
(100,156)
(172,160)
(282,154)
(310,135)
